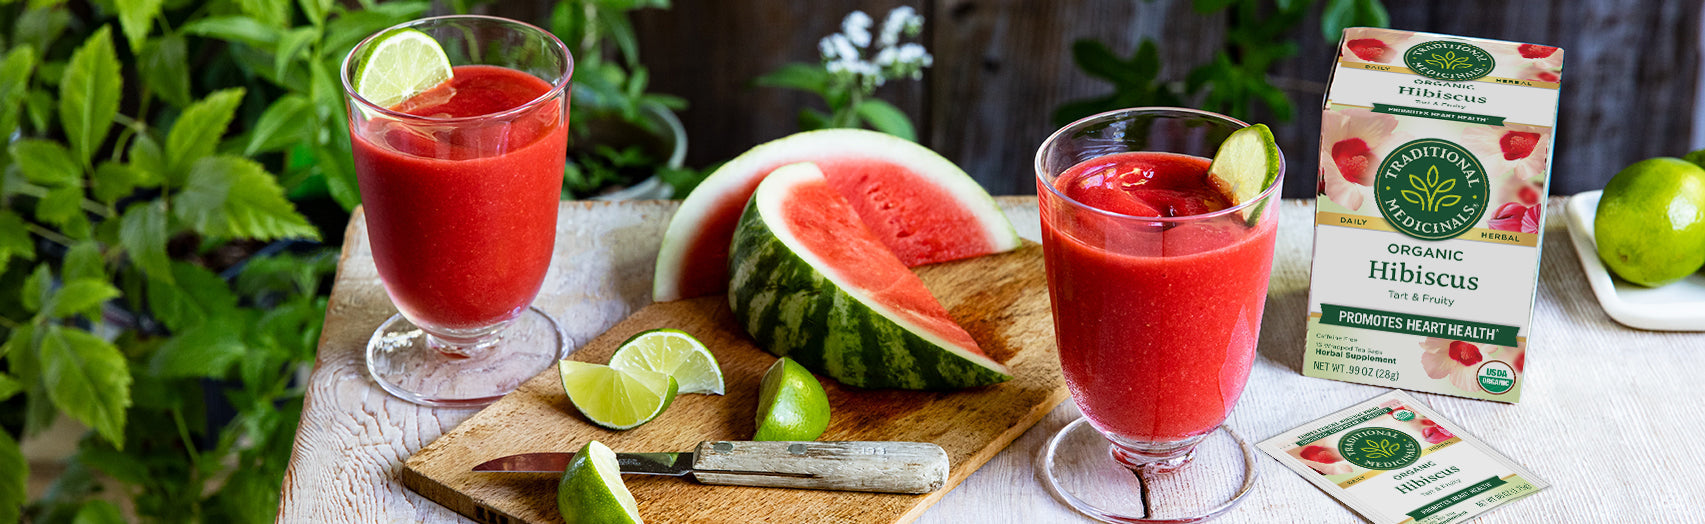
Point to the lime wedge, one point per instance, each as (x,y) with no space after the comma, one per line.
(592,491)
(791,404)
(616,399)
(1246,164)
(675,353)
(399,64)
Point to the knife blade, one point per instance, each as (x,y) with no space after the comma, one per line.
(886,467)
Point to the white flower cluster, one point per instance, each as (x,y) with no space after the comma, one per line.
(844,52)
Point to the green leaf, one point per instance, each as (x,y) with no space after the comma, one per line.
(39,28)
(234,197)
(82,296)
(164,65)
(60,205)
(1145,64)
(15,239)
(40,106)
(88,94)
(136,17)
(47,162)
(196,133)
(288,121)
(9,386)
(15,70)
(113,181)
(316,10)
(339,172)
(14,479)
(21,342)
(804,77)
(142,232)
(275,13)
(883,116)
(88,379)
(1371,13)
(98,512)
(291,45)
(206,350)
(196,295)
(810,119)
(1095,59)
(235,29)
(1337,15)
(84,261)
(126,468)
(37,288)
(145,155)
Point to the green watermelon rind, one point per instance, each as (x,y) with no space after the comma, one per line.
(791,309)
(733,176)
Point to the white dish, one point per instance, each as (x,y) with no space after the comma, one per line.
(1676,307)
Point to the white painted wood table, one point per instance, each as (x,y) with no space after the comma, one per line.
(1611,415)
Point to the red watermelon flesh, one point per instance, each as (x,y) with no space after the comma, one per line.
(919,205)
(822,221)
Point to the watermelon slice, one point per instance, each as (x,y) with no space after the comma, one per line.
(920,205)
(811,282)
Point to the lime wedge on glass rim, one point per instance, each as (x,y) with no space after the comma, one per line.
(613,398)
(592,490)
(675,353)
(1246,164)
(397,65)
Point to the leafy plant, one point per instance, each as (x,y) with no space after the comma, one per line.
(854,65)
(611,91)
(135,189)
(1236,78)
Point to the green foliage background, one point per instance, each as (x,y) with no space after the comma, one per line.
(152,148)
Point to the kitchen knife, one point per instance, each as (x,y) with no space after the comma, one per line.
(884,467)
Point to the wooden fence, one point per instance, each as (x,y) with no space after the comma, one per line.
(1631,82)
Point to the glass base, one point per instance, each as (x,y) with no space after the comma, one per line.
(408,363)
(1084,470)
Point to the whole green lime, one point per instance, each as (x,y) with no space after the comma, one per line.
(1651,221)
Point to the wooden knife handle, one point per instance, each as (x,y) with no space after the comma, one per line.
(884,467)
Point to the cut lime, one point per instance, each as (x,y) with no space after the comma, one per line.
(791,404)
(616,399)
(399,64)
(592,491)
(675,353)
(1246,164)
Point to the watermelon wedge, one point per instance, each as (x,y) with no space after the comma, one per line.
(809,281)
(920,205)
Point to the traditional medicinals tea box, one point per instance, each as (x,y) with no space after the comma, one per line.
(1435,151)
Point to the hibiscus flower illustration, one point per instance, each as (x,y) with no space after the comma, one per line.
(1431,431)
(1460,361)
(1323,459)
(1513,216)
(1352,141)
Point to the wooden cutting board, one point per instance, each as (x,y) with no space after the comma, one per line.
(1002,300)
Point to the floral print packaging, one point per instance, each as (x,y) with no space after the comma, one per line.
(1435,151)
(1395,460)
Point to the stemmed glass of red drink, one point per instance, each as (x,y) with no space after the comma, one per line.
(460,186)
(1158,279)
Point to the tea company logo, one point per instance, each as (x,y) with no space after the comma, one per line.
(1403,415)
(1447,60)
(1379,448)
(1431,189)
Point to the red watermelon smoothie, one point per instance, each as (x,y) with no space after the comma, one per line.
(460,185)
(1158,284)
(461,203)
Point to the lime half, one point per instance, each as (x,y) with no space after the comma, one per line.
(675,353)
(399,64)
(613,398)
(791,404)
(592,491)
(1246,164)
